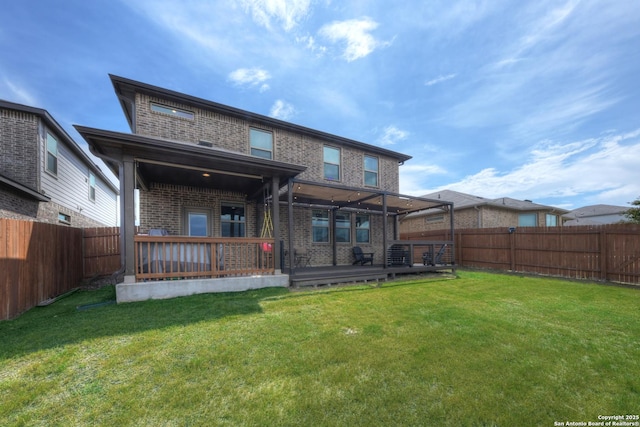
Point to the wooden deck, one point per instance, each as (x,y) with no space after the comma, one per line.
(342,274)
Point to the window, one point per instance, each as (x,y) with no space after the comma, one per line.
(552,220)
(92,187)
(363,229)
(331,157)
(435,218)
(343,227)
(261,143)
(52,154)
(232,220)
(176,112)
(527,220)
(197,222)
(320,226)
(64,218)
(370,171)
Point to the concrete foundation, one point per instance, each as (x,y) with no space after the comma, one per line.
(141,291)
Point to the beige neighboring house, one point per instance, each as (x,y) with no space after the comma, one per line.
(45,176)
(596,215)
(479,212)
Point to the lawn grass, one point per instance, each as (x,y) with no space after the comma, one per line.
(483,349)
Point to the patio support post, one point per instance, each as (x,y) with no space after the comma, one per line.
(291,237)
(127,183)
(275,217)
(384,230)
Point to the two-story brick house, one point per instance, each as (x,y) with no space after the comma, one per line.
(238,178)
(45,176)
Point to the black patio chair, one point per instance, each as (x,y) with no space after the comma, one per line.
(362,257)
(398,255)
(428,258)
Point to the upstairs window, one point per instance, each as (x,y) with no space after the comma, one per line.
(331,156)
(52,154)
(232,220)
(261,143)
(171,111)
(92,187)
(370,171)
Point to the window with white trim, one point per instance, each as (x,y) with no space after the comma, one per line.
(343,227)
(320,226)
(331,159)
(92,187)
(551,220)
(363,229)
(370,171)
(527,220)
(52,154)
(261,143)
(197,222)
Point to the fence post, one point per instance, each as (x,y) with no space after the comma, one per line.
(603,255)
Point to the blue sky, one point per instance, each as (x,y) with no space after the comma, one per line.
(534,100)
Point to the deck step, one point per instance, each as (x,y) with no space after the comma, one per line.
(338,279)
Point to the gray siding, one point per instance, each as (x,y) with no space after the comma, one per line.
(70,188)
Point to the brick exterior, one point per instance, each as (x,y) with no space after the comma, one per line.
(163,205)
(19,137)
(233,134)
(21,160)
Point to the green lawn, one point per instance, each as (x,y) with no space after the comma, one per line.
(483,349)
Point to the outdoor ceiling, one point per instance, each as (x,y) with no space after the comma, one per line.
(335,196)
(198,177)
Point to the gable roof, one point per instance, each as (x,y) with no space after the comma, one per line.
(61,133)
(464,201)
(126,89)
(596,210)
(467,201)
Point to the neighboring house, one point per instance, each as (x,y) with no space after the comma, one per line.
(596,215)
(213,171)
(45,176)
(478,212)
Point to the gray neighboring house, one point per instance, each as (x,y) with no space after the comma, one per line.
(46,177)
(596,215)
(478,212)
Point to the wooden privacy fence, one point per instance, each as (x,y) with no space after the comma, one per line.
(607,252)
(38,261)
(101,251)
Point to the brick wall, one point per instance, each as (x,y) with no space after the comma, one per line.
(163,207)
(233,134)
(19,147)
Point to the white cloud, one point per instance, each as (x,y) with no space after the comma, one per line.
(288,13)
(355,33)
(250,77)
(440,79)
(604,169)
(19,94)
(391,135)
(282,110)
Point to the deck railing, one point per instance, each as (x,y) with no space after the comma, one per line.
(182,257)
(426,252)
